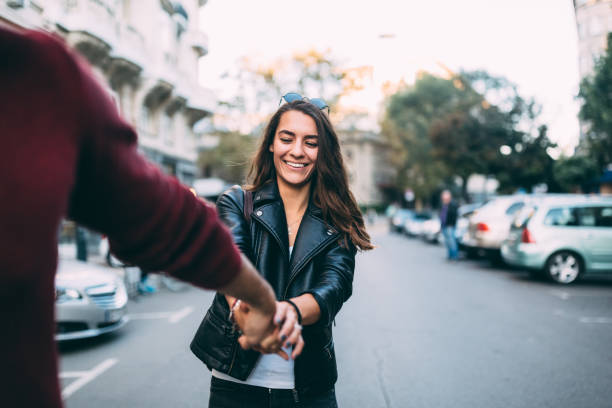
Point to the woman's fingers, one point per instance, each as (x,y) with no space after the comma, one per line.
(299,346)
(283,354)
(293,336)
(281,311)
(290,325)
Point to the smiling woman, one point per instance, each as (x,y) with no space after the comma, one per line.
(301,227)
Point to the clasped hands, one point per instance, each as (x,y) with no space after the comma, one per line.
(269,334)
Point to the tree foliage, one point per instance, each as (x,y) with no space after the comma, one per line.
(230,159)
(576,173)
(596,110)
(447,128)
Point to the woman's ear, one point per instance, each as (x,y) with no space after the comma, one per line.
(271,148)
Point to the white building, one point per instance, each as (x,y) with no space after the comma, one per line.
(147,53)
(366,157)
(594,22)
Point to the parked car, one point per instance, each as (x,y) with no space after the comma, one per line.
(89,300)
(562,237)
(431,230)
(399,218)
(463,219)
(413,227)
(489,225)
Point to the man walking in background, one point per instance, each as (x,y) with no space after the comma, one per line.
(448,219)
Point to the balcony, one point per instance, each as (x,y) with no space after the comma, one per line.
(201,103)
(91,27)
(127,58)
(198,41)
(157,92)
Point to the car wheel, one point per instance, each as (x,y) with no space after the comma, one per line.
(563,267)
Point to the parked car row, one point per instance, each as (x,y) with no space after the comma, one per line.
(558,236)
(422,224)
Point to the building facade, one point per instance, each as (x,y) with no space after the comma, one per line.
(594,22)
(366,157)
(146,52)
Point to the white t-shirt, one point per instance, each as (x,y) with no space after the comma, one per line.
(271,371)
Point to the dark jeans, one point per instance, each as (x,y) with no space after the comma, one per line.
(227,394)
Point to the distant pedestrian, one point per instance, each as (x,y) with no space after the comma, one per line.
(448,220)
(66,152)
(301,226)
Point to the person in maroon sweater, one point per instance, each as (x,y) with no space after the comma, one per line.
(66,152)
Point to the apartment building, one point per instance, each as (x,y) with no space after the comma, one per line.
(146,52)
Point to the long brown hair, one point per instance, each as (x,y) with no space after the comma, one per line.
(330,190)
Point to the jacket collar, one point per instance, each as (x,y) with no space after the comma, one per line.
(314,233)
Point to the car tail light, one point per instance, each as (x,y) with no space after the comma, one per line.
(481,226)
(526,237)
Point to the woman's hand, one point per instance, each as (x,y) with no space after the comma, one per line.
(287,333)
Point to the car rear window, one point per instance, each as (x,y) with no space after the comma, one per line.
(514,207)
(523,216)
(579,217)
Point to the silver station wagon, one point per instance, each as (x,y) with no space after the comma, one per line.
(562,237)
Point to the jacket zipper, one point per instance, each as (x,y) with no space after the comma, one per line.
(235,352)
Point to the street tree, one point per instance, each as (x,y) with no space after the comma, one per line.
(230,159)
(578,173)
(596,110)
(406,123)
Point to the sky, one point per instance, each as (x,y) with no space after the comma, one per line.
(533,43)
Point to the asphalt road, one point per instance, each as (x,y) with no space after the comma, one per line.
(418,332)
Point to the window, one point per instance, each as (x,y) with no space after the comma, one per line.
(604,217)
(514,208)
(574,217)
(585,216)
(560,217)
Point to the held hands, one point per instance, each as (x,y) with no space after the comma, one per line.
(282,331)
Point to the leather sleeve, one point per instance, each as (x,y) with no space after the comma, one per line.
(334,285)
(231,212)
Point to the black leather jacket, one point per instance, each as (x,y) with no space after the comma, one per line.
(319,265)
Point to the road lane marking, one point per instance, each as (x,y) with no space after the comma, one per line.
(602,320)
(87,377)
(560,294)
(146,316)
(173,317)
(72,374)
(178,316)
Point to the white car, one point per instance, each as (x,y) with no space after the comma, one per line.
(90,300)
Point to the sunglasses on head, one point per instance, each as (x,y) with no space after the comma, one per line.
(292,97)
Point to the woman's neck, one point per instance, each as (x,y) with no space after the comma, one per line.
(295,199)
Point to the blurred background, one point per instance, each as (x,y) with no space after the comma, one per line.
(505,103)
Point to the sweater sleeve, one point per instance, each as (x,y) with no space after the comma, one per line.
(150,218)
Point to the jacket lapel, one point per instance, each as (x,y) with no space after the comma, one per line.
(269,211)
(312,235)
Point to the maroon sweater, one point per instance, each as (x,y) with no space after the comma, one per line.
(66,152)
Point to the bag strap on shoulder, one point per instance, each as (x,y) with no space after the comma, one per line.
(248,205)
